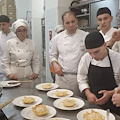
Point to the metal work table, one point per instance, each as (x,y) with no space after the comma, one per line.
(14,112)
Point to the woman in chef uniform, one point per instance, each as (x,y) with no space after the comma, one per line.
(20,58)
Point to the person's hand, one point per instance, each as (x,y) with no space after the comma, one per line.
(58,69)
(116,36)
(117,90)
(33,76)
(90,96)
(12,77)
(116,99)
(106,96)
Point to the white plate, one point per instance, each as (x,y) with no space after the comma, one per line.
(28,114)
(6,83)
(39,86)
(51,93)
(103,112)
(18,101)
(58,104)
(58,118)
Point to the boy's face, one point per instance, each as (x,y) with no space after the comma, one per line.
(4,26)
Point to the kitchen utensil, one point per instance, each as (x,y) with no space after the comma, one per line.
(25,81)
(107,114)
(6,103)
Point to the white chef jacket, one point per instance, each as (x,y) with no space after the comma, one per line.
(84,66)
(108,35)
(116,46)
(3,39)
(68,49)
(19,56)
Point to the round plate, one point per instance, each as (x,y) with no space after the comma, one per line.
(51,93)
(58,118)
(39,86)
(18,101)
(58,104)
(103,112)
(6,83)
(28,114)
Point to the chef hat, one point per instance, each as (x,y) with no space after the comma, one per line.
(4,18)
(94,40)
(103,10)
(59,28)
(18,23)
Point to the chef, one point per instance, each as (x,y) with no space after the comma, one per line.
(5,34)
(99,72)
(20,58)
(104,19)
(66,52)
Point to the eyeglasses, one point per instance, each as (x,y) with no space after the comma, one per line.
(22,31)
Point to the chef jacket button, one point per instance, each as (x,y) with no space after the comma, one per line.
(26,43)
(17,42)
(18,51)
(19,59)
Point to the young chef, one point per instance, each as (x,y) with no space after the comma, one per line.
(104,19)
(99,72)
(20,58)
(5,34)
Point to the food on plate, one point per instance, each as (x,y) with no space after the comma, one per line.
(93,115)
(40,110)
(28,100)
(61,93)
(68,102)
(47,86)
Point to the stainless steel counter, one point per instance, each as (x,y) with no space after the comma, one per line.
(14,112)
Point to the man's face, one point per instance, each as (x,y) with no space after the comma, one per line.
(4,26)
(104,21)
(98,53)
(70,23)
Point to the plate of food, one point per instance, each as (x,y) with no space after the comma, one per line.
(6,83)
(59,93)
(57,118)
(27,100)
(38,112)
(46,86)
(90,114)
(68,103)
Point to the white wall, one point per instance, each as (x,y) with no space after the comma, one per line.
(37,14)
(22,6)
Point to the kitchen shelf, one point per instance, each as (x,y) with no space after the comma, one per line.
(87,14)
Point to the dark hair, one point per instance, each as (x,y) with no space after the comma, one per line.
(4,18)
(103,11)
(68,12)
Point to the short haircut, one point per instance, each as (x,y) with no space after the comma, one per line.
(4,18)
(103,10)
(68,12)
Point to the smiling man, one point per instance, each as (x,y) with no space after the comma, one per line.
(99,72)
(66,52)
(5,34)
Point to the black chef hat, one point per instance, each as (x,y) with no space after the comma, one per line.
(103,10)
(4,18)
(94,40)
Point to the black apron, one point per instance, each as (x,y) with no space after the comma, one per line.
(102,78)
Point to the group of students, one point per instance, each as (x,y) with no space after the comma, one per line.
(18,55)
(83,62)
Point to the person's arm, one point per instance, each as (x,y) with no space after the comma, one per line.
(6,59)
(115,37)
